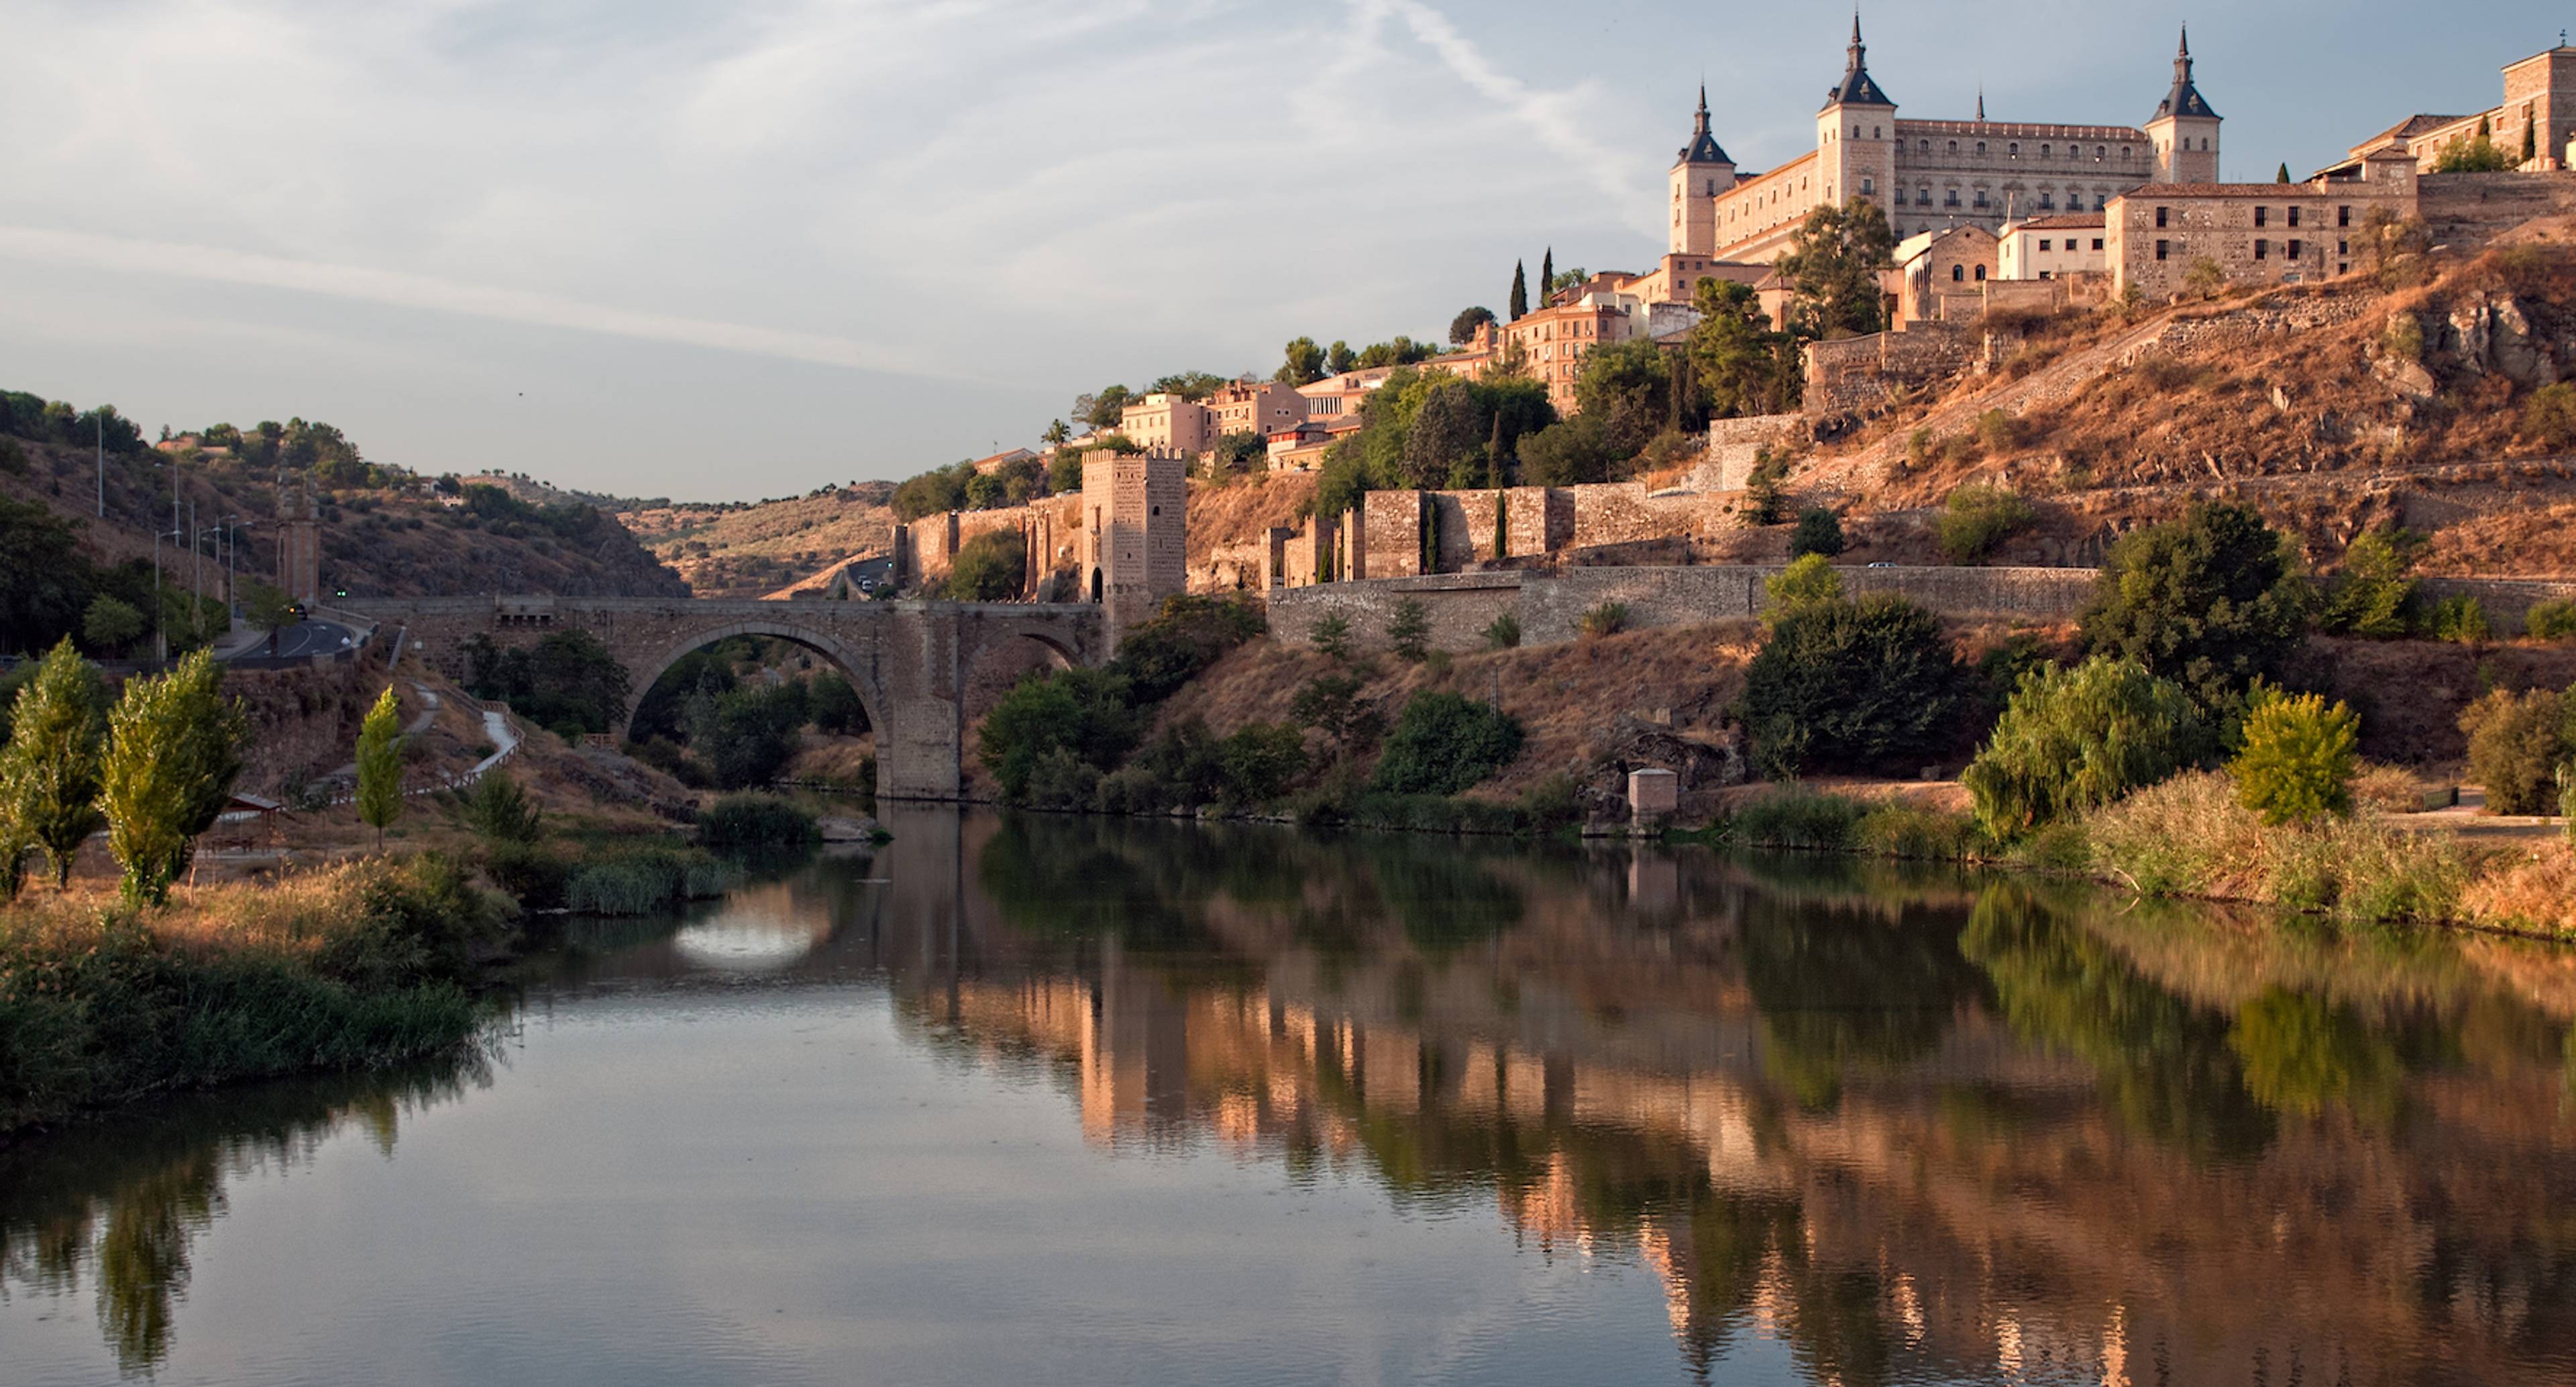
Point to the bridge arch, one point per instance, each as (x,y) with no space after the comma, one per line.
(862,674)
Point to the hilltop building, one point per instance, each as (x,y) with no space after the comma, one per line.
(2535,125)
(1930,175)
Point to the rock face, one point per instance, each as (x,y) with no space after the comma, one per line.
(1699,761)
(2496,333)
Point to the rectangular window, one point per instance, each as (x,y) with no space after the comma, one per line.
(2161,214)
(2343,216)
(2097,243)
(2161,248)
(2262,216)
(2262,249)
(2043,243)
(2294,218)
(2296,247)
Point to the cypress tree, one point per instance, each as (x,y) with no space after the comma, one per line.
(2530,142)
(380,766)
(2284,175)
(1520,292)
(1547,278)
(49,771)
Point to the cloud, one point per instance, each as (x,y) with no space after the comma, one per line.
(399,289)
(1552,116)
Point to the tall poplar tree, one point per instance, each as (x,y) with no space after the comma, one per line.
(1547,278)
(1520,292)
(49,771)
(380,766)
(173,750)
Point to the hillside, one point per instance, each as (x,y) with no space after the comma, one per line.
(2332,408)
(752,550)
(403,543)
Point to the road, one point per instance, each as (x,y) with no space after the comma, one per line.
(309,638)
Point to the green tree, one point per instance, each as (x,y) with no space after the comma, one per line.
(44,583)
(1832,269)
(1057,434)
(1339,359)
(49,771)
(1447,434)
(173,750)
(2373,596)
(109,625)
(1628,388)
(1567,453)
(2284,175)
(1547,277)
(2479,155)
(500,812)
(1083,713)
(1330,704)
(2076,739)
(1738,356)
(991,567)
(2299,757)
(380,741)
(2517,741)
(1865,686)
(1462,329)
(1103,409)
(1331,634)
(2549,416)
(1261,760)
(1520,292)
(1408,630)
(1304,364)
(1819,531)
(1444,744)
(2210,601)
(1808,580)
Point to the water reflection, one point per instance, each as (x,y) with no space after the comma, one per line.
(1913,1125)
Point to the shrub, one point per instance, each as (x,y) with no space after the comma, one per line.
(2209,601)
(2075,739)
(1408,628)
(1997,430)
(2373,596)
(1504,632)
(2191,837)
(2299,757)
(1918,449)
(757,821)
(1805,582)
(1086,712)
(1261,761)
(1330,704)
(2549,416)
(1608,619)
(1977,518)
(2516,742)
(2403,338)
(1332,635)
(500,812)
(1818,531)
(49,771)
(1189,634)
(1915,833)
(992,567)
(1798,819)
(1062,780)
(2553,620)
(1862,686)
(530,873)
(624,886)
(2462,620)
(1445,743)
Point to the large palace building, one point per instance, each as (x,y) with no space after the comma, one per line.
(1932,175)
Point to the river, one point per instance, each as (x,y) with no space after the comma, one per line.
(1083,1101)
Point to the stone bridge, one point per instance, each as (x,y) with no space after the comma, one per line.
(909,661)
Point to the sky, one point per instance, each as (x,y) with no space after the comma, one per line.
(732,249)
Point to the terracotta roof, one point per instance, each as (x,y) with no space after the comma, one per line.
(2254,192)
(2066,220)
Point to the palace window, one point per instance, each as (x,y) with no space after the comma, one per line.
(1981,146)
(2044,243)
(1958,273)
(2043,151)
(2262,216)
(2162,248)
(2297,248)
(2047,201)
(1981,274)
(2124,151)
(1868,184)
(1954,146)
(1951,199)
(1981,198)
(2294,217)
(2343,216)
(1922,146)
(2262,249)
(2161,214)
(2013,149)
(2099,153)
(2097,243)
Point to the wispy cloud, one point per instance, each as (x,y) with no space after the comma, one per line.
(1553,117)
(399,289)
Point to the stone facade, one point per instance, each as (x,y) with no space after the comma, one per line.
(1735,446)
(1255,407)
(1169,422)
(2254,233)
(1933,264)
(1930,175)
(299,543)
(2538,113)
(1857,375)
(2054,247)
(1134,537)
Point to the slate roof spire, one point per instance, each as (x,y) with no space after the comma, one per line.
(2185,99)
(1703,147)
(1857,87)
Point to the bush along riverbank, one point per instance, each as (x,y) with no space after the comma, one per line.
(352,967)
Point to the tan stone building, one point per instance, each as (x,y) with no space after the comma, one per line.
(2054,247)
(2538,114)
(1169,422)
(1934,264)
(1554,340)
(1255,407)
(2254,233)
(1134,550)
(1931,175)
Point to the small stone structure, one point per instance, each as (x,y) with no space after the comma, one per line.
(1653,795)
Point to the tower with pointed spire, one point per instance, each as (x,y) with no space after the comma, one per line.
(2185,130)
(1700,176)
(1856,133)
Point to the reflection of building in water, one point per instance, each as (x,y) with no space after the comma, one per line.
(1982,1142)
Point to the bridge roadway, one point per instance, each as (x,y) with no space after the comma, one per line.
(910,661)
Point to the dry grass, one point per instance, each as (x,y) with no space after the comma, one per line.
(1240,511)
(2535,891)
(2189,837)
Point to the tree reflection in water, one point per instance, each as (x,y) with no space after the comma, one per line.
(123,1199)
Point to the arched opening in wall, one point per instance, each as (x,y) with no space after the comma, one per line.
(1001,660)
(1095,586)
(755,703)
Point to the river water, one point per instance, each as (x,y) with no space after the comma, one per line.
(1077,1101)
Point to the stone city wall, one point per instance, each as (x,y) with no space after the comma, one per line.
(1734,445)
(1460,605)
(1859,374)
(2508,601)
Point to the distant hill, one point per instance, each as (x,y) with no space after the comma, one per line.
(752,550)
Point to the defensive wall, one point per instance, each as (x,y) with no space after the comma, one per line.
(1549,606)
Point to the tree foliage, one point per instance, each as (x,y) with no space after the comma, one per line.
(2298,758)
(2076,739)
(991,567)
(2210,601)
(1745,367)
(1862,686)
(1520,292)
(1833,266)
(1977,517)
(173,751)
(1819,532)
(500,812)
(2373,596)
(2517,742)
(1304,364)
(1809,580)
(1445,744)
(380,766)
(49,771)
(568,682)
(1462,329)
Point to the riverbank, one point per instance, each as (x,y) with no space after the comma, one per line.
(2190,839)
(347,967)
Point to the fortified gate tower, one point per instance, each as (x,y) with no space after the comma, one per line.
(1134,535)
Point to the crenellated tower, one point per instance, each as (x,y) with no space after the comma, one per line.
(1856,134)
(2185,130)
(1699,176)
